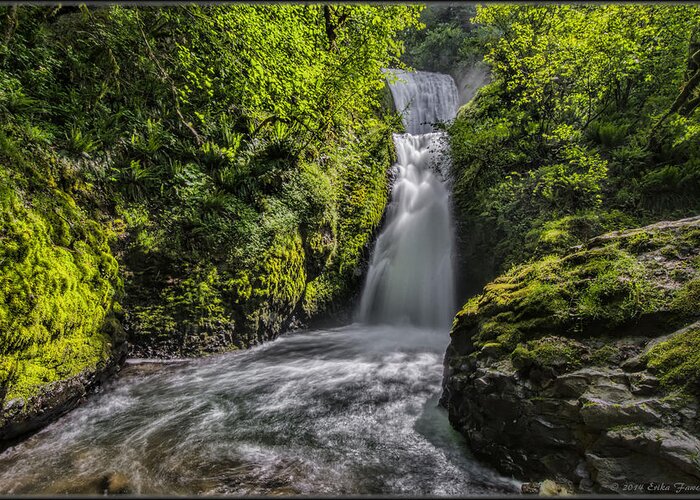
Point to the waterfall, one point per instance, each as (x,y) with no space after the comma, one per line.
(411,275)
(424,98)
(351,410)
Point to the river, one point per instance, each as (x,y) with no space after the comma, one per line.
(351,410)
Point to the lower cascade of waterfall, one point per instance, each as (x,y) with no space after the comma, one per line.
(410,278)
(346,411)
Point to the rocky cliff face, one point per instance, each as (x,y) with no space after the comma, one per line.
(584,368)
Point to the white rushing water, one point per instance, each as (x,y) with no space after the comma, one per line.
(351,410)
(411,276)
(424,98)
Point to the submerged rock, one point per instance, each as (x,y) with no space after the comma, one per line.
(584,367)
(116,483)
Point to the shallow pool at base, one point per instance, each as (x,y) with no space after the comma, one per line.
(351,410)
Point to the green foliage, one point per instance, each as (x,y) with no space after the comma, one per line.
(568,125)
(239,151)
(446,41)
(608,134)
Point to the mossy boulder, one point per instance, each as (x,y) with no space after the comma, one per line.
(676,359)
(613,284)
(557,354)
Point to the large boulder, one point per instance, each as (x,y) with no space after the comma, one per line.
(585,367)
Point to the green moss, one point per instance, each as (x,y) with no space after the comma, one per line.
(588,292)
(634,429)
(556,353)
(677,360)
(605,355)
(671,243)
(58,283)
(687,299)
(559,235)
(279,283)
(615,288)
(265,204)
(493,345)
(361,177)
(640,242)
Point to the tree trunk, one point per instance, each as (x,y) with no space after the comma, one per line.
(686,102)
(10,24)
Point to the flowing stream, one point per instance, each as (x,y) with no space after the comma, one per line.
(350,410)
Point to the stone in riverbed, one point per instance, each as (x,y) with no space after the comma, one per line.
(116,483)
(530,488)
(549,488)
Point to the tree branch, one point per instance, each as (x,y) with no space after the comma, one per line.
(166,78)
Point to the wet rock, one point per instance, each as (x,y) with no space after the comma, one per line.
(20,417)
(633,364)
(597,427)
(599,414)
(586,486)
(551,432)
(493,350)
(644,456)
(549,488)
(284,491)
(643,384)
(580,405)
(610,389)
(530,488)
(675,446)
(570,385)
(557,409)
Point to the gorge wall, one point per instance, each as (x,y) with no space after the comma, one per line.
(148,196)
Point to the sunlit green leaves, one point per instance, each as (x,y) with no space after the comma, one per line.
(580,59)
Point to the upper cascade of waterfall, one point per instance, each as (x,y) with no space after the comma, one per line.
(424,98)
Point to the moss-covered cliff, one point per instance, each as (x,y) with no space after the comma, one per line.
(295,256)
(559,365)
(59,285)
